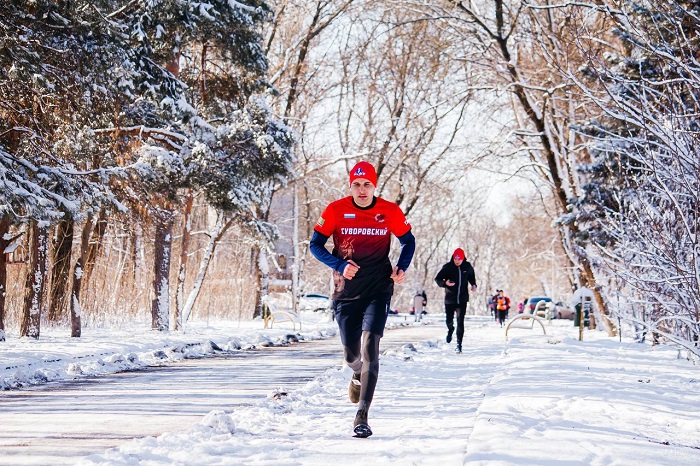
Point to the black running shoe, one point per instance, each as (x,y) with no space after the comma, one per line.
(354,388)
(449,336)
(361,428)
(458,349)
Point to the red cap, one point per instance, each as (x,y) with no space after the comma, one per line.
(458,254)
(364,170)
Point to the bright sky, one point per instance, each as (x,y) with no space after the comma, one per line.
(532,399)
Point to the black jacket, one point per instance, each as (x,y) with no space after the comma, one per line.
(462,277)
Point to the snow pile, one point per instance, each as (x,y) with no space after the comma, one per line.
(53,357)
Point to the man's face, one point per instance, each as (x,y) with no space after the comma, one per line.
(362,191)
(457,262)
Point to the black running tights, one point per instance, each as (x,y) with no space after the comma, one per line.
(460,311)
(363,357)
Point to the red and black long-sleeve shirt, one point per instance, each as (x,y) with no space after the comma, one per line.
(362,235)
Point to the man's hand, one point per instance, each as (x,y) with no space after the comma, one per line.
(449,283)
(398,276)
(473,287)
(350,270)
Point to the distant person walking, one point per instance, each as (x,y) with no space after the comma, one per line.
(420,300)
(361,226)
(502,306)
(494,311)
(455,277)
(491,305)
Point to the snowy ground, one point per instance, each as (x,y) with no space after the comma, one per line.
(55,357)
(534,399)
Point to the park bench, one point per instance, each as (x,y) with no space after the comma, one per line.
(271,314)
(526,321)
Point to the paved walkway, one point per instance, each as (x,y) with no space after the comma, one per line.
(52,425)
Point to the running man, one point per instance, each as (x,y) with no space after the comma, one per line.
(502,307)
(455,277)
(361,226)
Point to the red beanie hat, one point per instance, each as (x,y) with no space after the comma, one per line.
(364,170)
(458,254)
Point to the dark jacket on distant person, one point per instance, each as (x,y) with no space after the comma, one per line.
(462,276)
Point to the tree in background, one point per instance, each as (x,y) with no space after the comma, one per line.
(197,125)
(94,89)
(162,107)
(294,44)
(52,84)
(640,205)
(524,50)
(382,90)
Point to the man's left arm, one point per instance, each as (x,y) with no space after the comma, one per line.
(408,247)
(400,228)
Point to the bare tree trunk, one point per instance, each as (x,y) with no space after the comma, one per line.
(34,287)
(295,244)
(60,269)
(138,257)
(123,256)
(260,280)
(184,251)
(160,306)
(259,262)
(214,238)
(75,311)
(4,229)
(95,244)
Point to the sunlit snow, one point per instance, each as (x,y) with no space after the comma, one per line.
(530,399)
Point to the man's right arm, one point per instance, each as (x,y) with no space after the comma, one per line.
(440,278)
(318,249)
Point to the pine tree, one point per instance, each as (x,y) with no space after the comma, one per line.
(200,126)
(52,85)
(135,101)
(641,203)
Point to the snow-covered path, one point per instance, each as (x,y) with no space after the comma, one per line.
(55,423)
(533,399)
(313,424)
